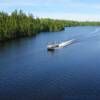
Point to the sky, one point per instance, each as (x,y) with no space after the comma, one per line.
(81,10)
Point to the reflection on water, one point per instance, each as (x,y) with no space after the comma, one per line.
(51,51)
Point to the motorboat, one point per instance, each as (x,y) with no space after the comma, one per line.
(56,45)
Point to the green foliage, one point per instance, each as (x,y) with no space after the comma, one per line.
(18,24)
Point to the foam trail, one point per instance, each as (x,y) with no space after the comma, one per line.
(97,30)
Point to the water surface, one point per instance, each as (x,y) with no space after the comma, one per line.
(29,72)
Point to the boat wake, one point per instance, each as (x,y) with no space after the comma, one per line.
(97,30)
(90,35)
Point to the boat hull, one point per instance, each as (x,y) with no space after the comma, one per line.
(60,45)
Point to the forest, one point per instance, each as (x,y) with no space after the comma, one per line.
(18,24)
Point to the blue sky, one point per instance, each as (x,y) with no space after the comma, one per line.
(82,10)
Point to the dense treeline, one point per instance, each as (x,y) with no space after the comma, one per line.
(89,23)
(18,24)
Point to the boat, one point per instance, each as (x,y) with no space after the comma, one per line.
(56,45)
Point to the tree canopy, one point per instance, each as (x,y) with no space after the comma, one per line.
(19,24)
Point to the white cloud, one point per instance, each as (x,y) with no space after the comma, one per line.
(7,3)
(12,4)
(84,5)
(60,3)
(64,4)
(70,16)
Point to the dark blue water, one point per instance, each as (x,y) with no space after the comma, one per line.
(29,72)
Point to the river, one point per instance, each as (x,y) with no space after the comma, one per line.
(29,72)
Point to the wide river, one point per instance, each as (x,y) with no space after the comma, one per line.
(29,72)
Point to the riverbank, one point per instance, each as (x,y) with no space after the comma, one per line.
(18,25)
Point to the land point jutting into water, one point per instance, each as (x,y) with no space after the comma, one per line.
(18,24)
